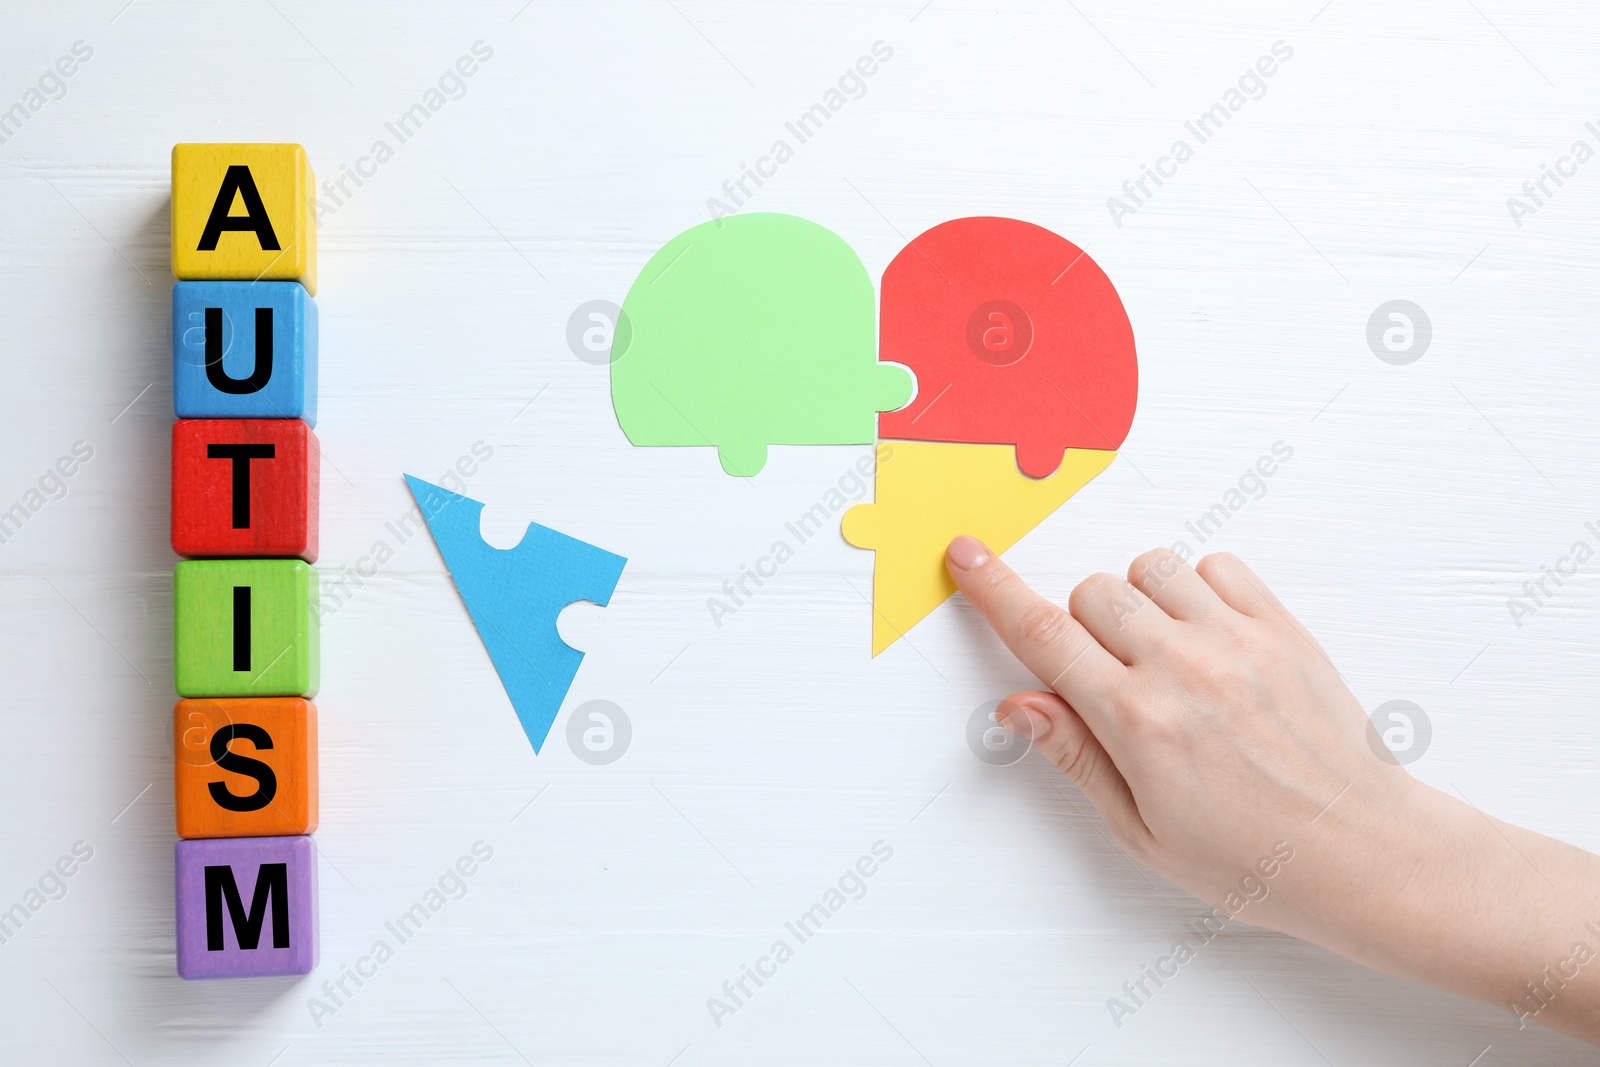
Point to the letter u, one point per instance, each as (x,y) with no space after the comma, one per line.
(259,375)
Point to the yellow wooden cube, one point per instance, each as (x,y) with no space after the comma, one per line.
(243,212)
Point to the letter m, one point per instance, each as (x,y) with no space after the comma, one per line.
(272,883)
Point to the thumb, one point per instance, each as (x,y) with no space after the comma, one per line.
(1066,740)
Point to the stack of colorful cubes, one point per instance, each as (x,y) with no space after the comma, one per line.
(244,514)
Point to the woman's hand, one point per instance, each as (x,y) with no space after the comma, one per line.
(1223,749)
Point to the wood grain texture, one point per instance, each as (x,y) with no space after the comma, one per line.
(274,192)
(264,767)
(769,753)
(245,628)
(245,487)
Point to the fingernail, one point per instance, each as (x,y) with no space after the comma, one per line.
(1025,722)
(967,553)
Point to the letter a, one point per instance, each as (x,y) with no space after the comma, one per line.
(238,182)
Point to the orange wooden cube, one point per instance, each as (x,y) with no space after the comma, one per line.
(245,767)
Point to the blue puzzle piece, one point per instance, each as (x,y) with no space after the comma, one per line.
(218,369)
(514,596)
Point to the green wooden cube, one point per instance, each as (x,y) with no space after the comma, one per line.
(245,628)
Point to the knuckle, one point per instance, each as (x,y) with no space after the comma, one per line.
(1006,585)
(1209,680)
(1130,707)
(1108,598)
(1043,625)
(1097,589)
(1100,582)
(1154,568)
(1143,719)
(1165,644)
(1077,762)
(1212,678)
(1217,563)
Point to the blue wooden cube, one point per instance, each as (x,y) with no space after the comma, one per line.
(244,350)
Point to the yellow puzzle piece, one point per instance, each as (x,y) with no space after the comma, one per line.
(930,492)
(243,212)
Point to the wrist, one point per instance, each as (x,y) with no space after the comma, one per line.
(1368,870)
(1439,891)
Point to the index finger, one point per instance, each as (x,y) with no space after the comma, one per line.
(1044,636)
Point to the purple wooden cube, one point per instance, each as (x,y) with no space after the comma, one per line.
(247,907)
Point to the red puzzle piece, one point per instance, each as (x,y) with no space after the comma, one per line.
(1016,337)
(244,487)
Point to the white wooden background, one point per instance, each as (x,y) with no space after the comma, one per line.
(769,753)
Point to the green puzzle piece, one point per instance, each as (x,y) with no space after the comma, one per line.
(750,331)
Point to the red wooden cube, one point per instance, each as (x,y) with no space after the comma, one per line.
(244,487)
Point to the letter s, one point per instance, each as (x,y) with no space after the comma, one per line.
(267,781)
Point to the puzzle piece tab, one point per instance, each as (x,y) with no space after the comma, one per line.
(1016,337)
(930,492)
(749,331)
(514,596)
